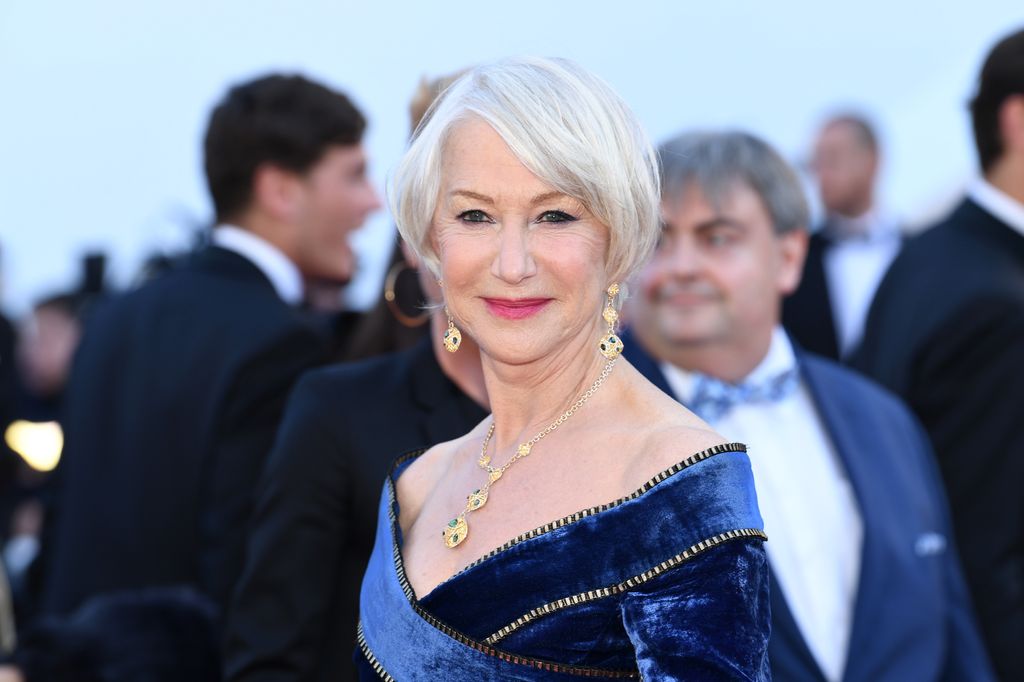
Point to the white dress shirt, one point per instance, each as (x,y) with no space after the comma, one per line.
(998,203)
(854,267)
(283,274)
(809,508)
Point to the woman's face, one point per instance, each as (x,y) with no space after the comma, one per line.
(523,265)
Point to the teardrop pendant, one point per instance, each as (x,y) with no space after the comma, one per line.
(476,499)
(455,532)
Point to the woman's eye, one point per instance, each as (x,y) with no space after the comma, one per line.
(556,217)
(474,216)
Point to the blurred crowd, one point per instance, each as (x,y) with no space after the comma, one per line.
(182,499)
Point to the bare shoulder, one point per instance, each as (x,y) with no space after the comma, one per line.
(671,444)
(666,433)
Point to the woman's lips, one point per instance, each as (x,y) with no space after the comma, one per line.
(515,308)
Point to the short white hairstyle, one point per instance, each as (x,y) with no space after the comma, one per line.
(567,127)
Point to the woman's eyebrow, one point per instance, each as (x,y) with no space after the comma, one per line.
(538,199)
(546,196)
(471,195)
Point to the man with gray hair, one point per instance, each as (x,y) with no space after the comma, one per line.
(866,581)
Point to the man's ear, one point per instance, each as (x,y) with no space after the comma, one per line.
(276,192)
(792,253)
(1011,125)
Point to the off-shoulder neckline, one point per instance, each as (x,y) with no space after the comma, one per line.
(400,463)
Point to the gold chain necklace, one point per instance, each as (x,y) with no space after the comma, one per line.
(457,529)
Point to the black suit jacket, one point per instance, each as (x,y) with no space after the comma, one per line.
(174,399)
(946,332)
(807,313)
(295,612)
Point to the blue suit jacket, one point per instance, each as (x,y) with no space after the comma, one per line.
(912,617)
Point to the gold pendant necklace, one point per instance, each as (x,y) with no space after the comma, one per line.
(458,529)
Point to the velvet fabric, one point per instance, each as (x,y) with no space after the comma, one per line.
(670,582)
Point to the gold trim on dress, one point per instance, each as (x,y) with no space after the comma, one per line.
(580,515)
(592,595)
(572,518)
(370,658)
(537,663)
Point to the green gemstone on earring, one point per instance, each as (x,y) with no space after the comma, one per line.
(453,523)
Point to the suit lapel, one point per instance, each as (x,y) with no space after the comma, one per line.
(848,442)
(787,642)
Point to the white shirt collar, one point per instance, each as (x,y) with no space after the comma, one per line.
(780,358)
(998,203)
(271,261)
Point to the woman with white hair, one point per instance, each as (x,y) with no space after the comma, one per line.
(591,526)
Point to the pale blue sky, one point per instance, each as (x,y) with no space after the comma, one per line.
(103,103)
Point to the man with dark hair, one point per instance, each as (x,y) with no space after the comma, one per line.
(866,585)
(178,387)
(850,252)
(946,332)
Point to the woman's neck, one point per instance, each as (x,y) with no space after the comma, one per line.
(525,399)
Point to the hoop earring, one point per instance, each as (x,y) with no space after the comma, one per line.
(610,344)
(391,299)
(452,336)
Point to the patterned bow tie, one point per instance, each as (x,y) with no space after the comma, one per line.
(713,398)
(833,234)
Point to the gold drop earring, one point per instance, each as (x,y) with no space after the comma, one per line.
(610,344)
(452,338)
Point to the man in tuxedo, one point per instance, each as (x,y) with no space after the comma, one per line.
(178,387)
(946,332)
(866,584)
(848,255)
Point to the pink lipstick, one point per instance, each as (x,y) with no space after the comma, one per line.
(515,308)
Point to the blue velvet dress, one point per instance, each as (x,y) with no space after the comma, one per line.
(667,583)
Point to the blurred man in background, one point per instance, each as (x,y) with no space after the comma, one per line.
(178,387)
(47,339)
(46,345)
(946,332)
(294,614)
(866,584)
(849,253)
